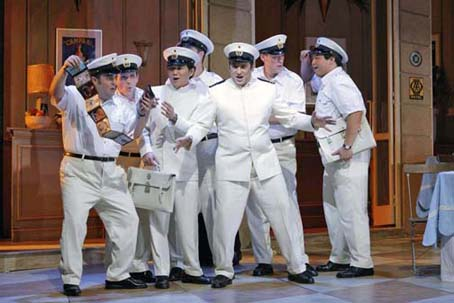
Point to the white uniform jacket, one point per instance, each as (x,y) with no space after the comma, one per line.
(209,78)
(133,104)
(189,103)
(131,147)
(291,88)
(241,115)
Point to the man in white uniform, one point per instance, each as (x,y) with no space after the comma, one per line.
(128,93)
(345,181)
(90,177)
(291,89)
(246,161)
(206,149)
(203,46)
(182,103)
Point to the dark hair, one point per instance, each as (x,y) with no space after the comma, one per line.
(338,59)
(190,65)
(336,56)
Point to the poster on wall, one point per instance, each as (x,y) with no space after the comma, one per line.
(85,43)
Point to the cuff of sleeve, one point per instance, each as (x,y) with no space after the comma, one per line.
(194,137)
(145,150)
(182,125)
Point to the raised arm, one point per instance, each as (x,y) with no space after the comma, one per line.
(143,113)
(306,70)
(57,87)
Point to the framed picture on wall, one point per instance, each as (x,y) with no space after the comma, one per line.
(85,43)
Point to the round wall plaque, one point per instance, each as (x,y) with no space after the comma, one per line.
(415,58)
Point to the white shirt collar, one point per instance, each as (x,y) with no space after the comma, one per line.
(135,95)
(251,82)
(190,85)
(331,74)
(277,78)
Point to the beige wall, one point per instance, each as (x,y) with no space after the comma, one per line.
(415,115)
(228,21)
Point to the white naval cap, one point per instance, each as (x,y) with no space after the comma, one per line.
(178,56)
(190,37)
(241,52)
(274,45)
(103,65)
(127,62)
(325,45)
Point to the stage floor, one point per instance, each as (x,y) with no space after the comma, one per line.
(393,282)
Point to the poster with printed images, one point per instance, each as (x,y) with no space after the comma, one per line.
(84,43)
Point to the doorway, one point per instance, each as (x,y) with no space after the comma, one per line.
(2,126)
(381,114)
(368,34)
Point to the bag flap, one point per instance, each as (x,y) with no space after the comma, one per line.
(150,177)
(322,133)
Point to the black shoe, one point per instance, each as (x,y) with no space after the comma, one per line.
(263,269)
(195,279)
(304,278)
(71,290)
(176,274)
(162,282)
(220,281)
(129,283)
(311,270)
(144,276)
(354,272)
(237,256)
(331,266)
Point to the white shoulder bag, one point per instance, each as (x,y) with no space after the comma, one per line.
(330,142)
(152,190)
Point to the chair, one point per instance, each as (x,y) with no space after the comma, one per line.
(420,169)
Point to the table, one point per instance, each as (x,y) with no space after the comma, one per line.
(440,222)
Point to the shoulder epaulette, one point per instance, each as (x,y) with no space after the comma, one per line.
(264,80)
(217,83)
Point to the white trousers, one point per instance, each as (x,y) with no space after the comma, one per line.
(143,233)
(231,200)
(144,242)
(184,220)
(206,152)
(175,250)
(86,184)
(259,226)
(345,205)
